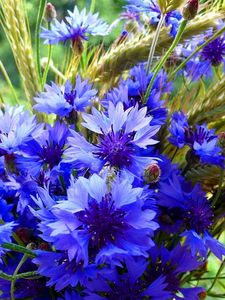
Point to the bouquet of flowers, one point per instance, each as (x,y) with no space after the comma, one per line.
(112,160)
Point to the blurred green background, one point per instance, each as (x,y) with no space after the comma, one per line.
(109,10)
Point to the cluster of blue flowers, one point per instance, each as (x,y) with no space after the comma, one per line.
(95,201)
(106,214)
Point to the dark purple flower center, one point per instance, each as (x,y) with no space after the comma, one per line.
(214,51)
(167,269)
(52,154)
(199,216)
(199,135)
(103,221)
(125,290)
(116,148)
(70,96)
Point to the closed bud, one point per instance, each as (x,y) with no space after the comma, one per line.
(202,295)
(50,12)
(190,9)
(152,173)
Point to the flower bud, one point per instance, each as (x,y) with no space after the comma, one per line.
(190,9)
(152,173)
(24,234)
(202,295)
(50,12)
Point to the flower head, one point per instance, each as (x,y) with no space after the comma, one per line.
(132,91)
(131,284)
(214,52)
(77,27)
(45,150)
(16,128)
(194,212)
(151,8)
(122,135)
(212,55)
(97,224)
(202,141)
(63,100)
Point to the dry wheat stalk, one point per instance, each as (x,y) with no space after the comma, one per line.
(13,19)
(122,57)
(169,5)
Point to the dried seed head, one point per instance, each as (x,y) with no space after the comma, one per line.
(169,5)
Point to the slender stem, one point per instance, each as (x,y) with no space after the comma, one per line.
(44,79)
(207,278)
(41,11)
(12,289)
(92,7)
(2,68)
(17,248)
(28,275)
(154,43)
(217,276)
(217,34)
(219,187)
(167,54)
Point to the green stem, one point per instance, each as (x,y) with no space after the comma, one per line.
(2,68)
(217,276)
(18,248)
(154,43)
(216,35)
(13,282)
(207,278)
(57,72)
(41,11)
(92,7)
(19,276)
(219,188)
(44,79)
(167,54)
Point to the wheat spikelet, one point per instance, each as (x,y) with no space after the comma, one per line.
(126,55)
(169,5)
(14,22)
(212,106)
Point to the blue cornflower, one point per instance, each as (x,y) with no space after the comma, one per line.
(132,284)
(63,100)
(16,128)
(212,55)
(5,235)
(122,135)
(151,8)
(132,91)
(78,26)
(202,141)
(44,151)
(195,214)
(97,223)
(214,52)
(170,265)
